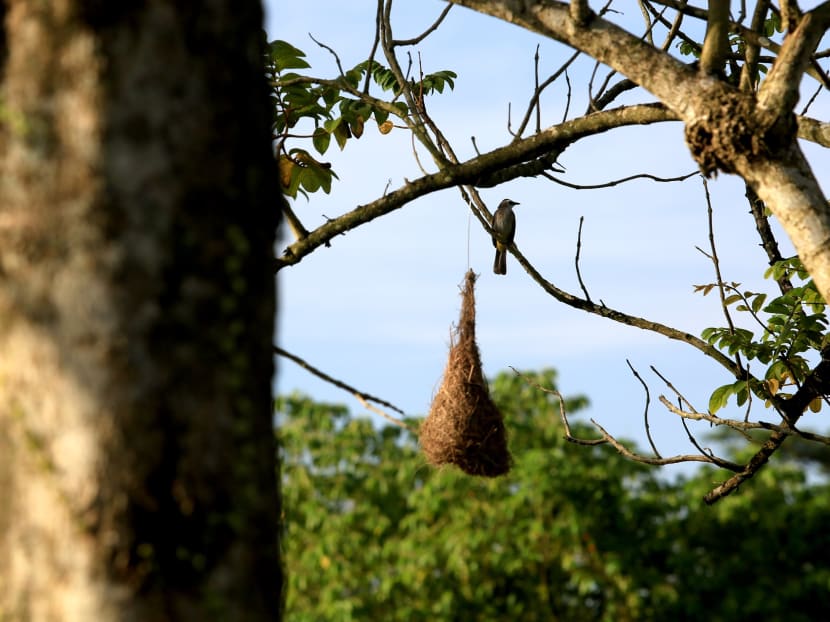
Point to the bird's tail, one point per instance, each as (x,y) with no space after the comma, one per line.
(500,262)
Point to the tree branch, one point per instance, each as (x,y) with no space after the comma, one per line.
(778,93)
(363,398)
(716,42)
(815,385)
(490,168)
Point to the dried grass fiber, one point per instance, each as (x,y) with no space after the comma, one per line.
(464,427)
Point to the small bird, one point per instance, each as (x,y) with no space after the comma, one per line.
(504,228)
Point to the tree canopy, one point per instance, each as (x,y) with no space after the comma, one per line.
(372,532)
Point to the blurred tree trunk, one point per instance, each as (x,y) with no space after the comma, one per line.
(137,217)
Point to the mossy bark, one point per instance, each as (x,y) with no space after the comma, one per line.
(138,207)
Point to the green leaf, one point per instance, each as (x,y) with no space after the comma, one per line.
(720,396)
(321,140)
(286,56)
(342,134)
(758,302)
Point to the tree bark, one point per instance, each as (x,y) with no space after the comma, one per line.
(138,207)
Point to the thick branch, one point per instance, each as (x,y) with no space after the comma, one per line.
(814,131)
(787,186)
(716,43)
(779,92)
(677,85)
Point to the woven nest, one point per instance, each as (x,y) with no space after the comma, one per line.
(464,427)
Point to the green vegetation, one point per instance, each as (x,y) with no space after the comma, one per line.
(572,533)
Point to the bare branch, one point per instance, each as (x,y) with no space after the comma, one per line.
(624,318)
(623,450)
(534,101)
(741,426)
(330,51)
(645,410)
(362,397)
(716,263)
(426,33)
(623,180)
(576,259)
(814,131)
(371,59)
(768,241)
(769,447)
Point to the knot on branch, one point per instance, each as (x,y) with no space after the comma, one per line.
(734,130)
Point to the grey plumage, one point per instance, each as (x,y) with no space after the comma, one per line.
(504,228)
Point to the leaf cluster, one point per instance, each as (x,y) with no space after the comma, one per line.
(792,326)
(336,109)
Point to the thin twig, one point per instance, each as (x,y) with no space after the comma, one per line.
(617,182)
(536,90)
(362,396)
(716,264)
(331,51)
(534,100)
(576,259)
(371,59)
(671,386)
(608,438)
(426,33)
(567,97)
(645,410)
(768,241)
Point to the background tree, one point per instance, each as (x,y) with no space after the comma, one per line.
(373,532)
(139,203)
(736,104)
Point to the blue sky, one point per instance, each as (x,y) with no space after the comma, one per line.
(375,310)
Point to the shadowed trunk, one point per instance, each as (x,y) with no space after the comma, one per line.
(138,208)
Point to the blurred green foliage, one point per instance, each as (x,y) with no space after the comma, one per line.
(572,533)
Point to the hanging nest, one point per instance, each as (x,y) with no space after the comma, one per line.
(464,427)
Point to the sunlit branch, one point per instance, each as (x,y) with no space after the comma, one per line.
(778,93)
(491,168)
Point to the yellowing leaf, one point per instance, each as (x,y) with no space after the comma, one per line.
(385,127)
(286,165)
(815,405)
